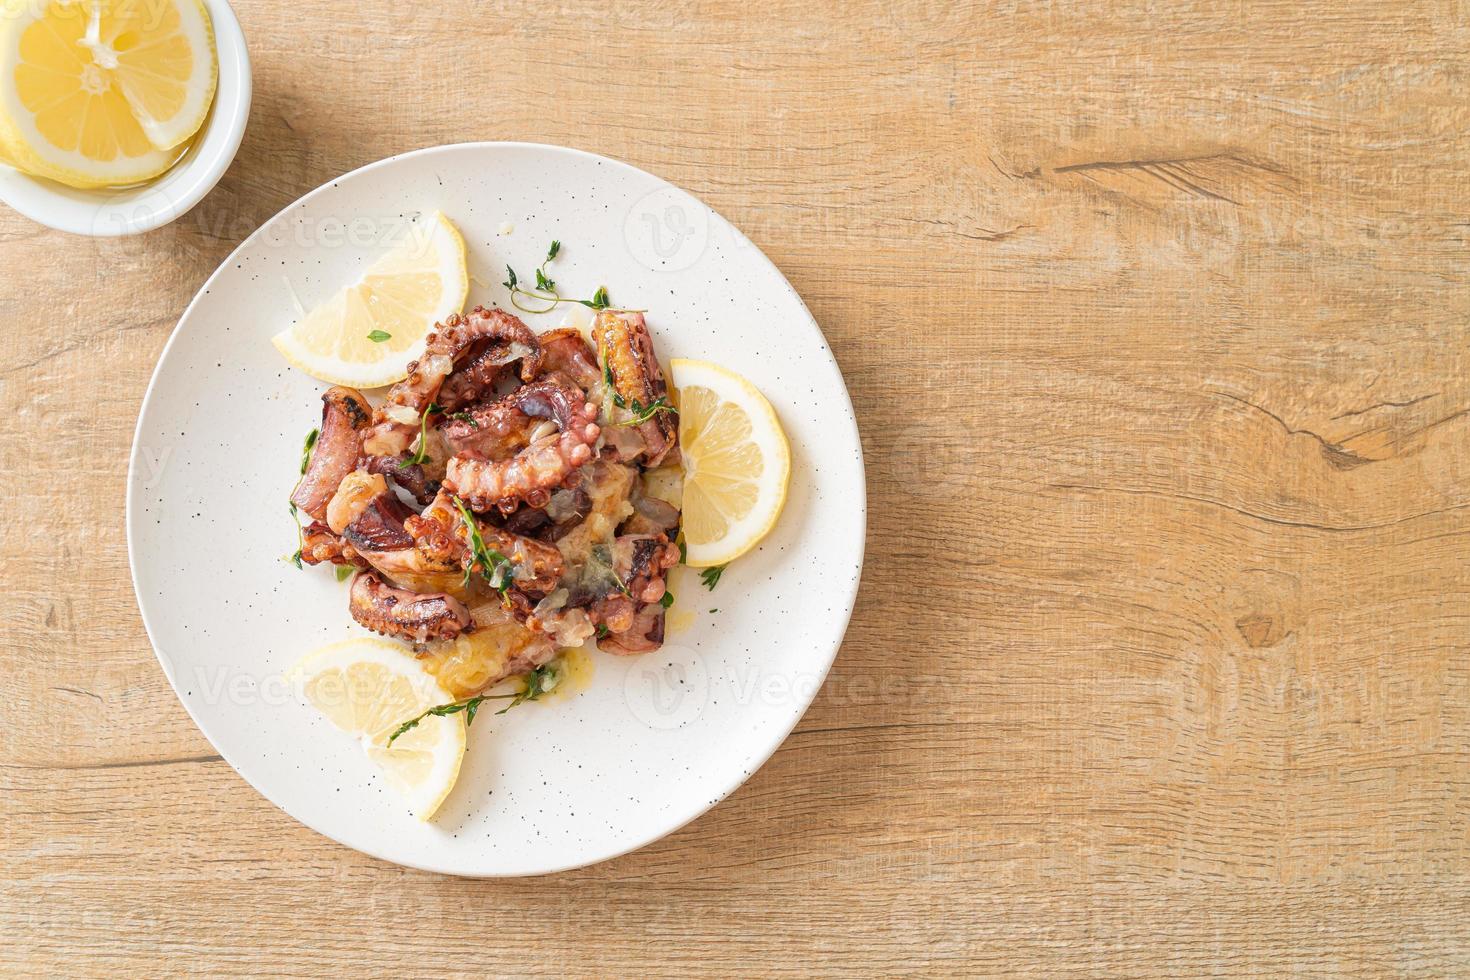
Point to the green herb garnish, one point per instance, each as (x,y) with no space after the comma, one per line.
(601,630)
(539,682)
(603,557)
(295,559)
(642,413)
(667,600)
(607,381)
(683,551)
(306,448)
(378,336)
(495,567)
(422,454)
(344,572)
(711,576)
(465,417)
(545,296)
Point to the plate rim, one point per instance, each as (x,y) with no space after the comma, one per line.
(760,758)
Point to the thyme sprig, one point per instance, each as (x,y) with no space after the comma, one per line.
(306,448)
(495,567)
(539,682)
(607,381)
(295,557)
(422,455)
(641,412)
(711,576)
(545,297)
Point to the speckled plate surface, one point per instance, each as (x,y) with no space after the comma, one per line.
(651,742)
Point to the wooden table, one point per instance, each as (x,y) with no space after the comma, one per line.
(1155,317)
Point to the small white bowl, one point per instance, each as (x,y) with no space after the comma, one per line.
(107,212)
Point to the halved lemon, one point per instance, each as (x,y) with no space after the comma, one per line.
(368,688)
(737,462)
(96,93)
(366,335)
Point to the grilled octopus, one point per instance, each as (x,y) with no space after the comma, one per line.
(549,470)
(396,423)
(637,380)
(404,614)
(632,615)
(345,414)
(545,464)
(440,534)
(370,518)
(567,353)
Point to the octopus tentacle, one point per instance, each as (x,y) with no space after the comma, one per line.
(440,533)
(630,609)
(648,558)
(396,422)
(530,476)
(544,465)
(370,519)
(319,543)
(497,430)
(554,399)
(409,615)
(409,476)
(345,413)
(379,526)
(566,352)
(626,347)
(644,634)
(538,565)
(502,428)
(485,365)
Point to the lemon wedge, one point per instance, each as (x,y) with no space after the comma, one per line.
(737,462)
(97,93)
(366,335)
(368,688)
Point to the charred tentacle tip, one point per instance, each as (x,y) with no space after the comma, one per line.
(407,615)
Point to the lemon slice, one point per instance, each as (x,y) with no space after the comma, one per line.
(103,92)
(366,335)
(368,688)
(737,462)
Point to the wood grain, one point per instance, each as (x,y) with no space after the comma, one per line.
(1155,317)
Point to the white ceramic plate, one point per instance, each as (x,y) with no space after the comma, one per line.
(653,741)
